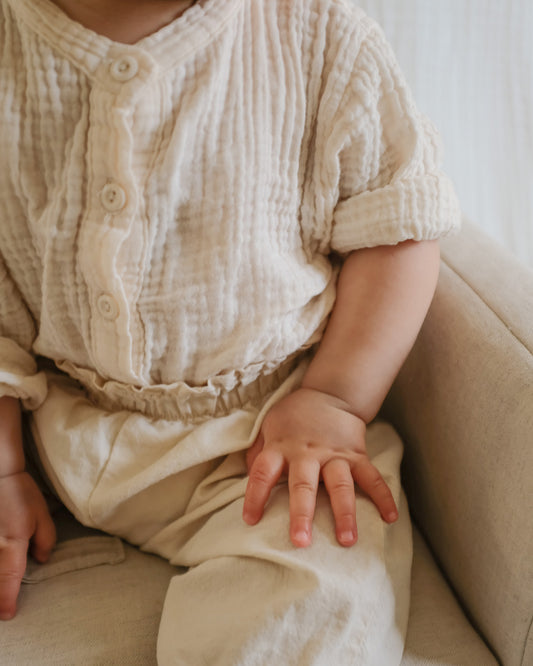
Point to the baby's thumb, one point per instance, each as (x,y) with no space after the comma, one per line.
(44,538)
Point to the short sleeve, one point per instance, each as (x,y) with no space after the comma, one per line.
(390,184)
(19,375)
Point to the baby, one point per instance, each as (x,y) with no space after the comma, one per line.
(218,241)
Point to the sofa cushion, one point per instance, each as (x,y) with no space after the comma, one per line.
(104,608)
(438,633)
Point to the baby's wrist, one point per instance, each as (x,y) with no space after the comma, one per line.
(11,467)
(334,397)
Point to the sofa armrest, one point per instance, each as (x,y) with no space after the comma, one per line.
(463,403)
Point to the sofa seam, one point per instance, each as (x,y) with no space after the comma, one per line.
(456,594)
(460,275)
(529,634)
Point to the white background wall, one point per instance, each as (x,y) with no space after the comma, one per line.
(470,66)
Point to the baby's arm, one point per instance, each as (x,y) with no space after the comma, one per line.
(23,512)
(318,431)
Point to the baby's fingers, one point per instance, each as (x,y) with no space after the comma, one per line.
(254,451)
(44,538)
(12,566)
(372,483)
(303,486)
(265,472)
(339,483)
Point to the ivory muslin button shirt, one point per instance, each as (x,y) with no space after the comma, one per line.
(169,209)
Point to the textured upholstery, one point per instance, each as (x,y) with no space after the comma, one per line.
(464,404)
(439,633)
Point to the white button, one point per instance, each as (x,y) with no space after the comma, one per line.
(113,197)
(124,68)
(107,307)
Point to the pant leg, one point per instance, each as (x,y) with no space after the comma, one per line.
(251,598)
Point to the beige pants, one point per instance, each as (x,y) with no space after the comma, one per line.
(248,597)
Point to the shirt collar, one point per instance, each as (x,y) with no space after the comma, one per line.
(165,49)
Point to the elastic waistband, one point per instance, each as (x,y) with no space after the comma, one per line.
(220,395)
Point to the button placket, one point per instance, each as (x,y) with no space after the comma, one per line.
(122,77)
(113,199)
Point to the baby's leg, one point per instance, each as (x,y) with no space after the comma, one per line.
(250,597)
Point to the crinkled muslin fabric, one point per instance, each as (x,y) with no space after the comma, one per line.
(172,221)
(170,207)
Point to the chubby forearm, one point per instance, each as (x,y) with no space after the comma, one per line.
(383,295)
(11,451)
(317,432)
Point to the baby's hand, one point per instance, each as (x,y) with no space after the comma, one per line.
(311,435)
(24,517)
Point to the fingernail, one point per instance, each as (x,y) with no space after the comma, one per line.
(347,537)
(301,537)
(392,516)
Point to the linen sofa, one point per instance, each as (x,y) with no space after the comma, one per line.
(463,403)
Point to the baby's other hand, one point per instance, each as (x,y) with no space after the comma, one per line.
(312,436)
(24,518)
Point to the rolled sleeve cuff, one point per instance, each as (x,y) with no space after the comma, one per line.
(19,377)
(421,208)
